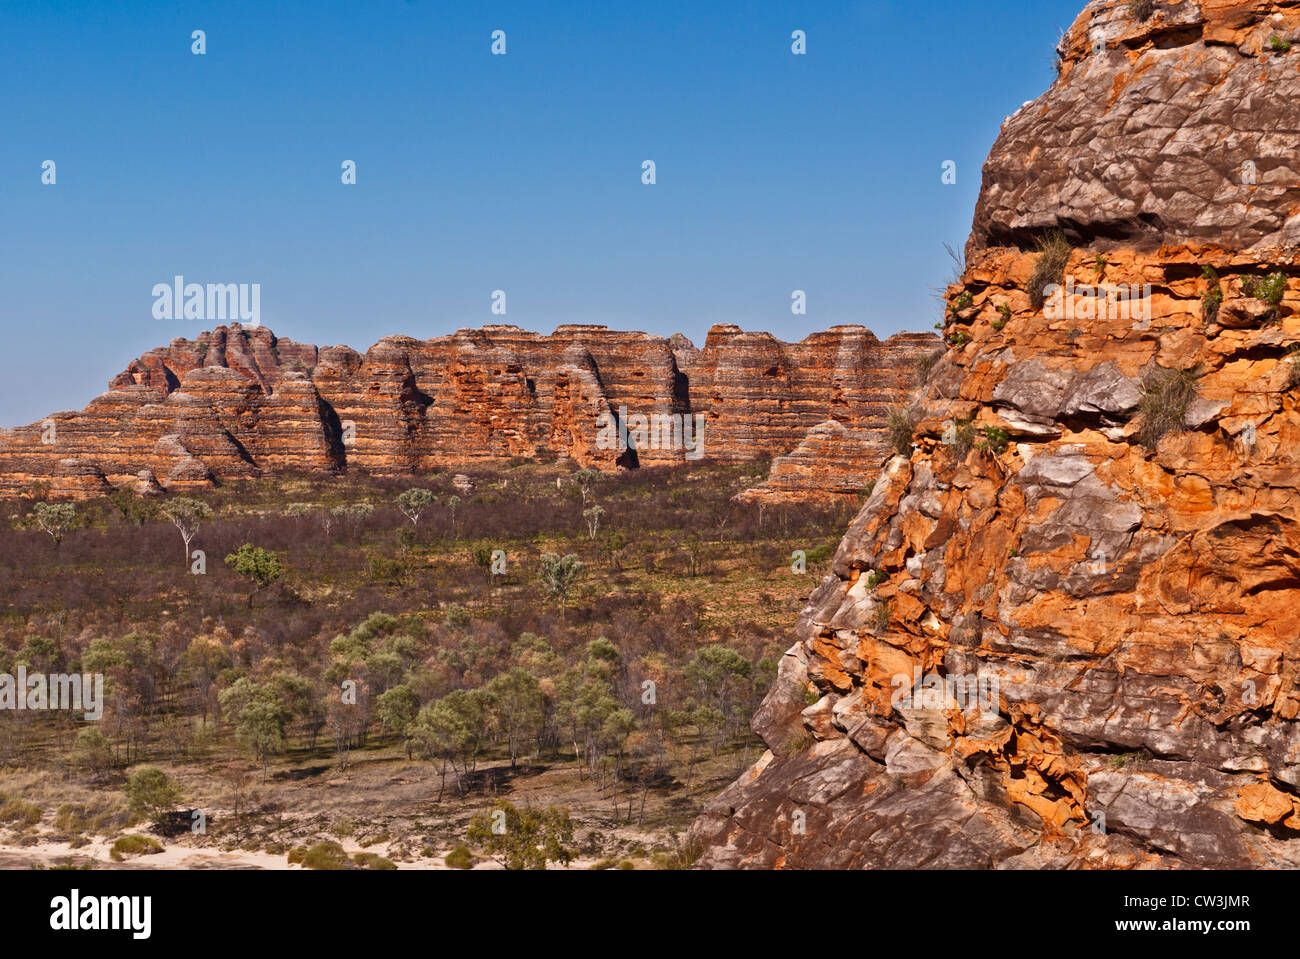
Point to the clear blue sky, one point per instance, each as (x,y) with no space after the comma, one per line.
(477,172)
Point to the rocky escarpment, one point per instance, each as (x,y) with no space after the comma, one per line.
(1061,633)
(241,402)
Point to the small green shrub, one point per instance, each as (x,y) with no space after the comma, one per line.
(151,792)
(371,860)
(134,845)
(1279,44)
(459,858)
(324,855)
(1212,298)
(995,439)
(1269,290)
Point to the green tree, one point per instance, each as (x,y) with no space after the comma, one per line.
(414,502)
(351,516)
(719,675)
(259,716)
(187,515)
(91,751)
(151,792)
(515,703)
(260,566)
(612,549)
(133,509)
(558,574)
(452,503)
(396,710)
(592,516)
(56,519)
(450,731)
(524,839)
(586,479)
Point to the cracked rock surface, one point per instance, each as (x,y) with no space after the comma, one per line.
(1123,597)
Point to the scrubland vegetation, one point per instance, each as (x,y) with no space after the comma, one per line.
(399,667)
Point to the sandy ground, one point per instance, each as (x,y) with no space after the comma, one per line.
(49,854)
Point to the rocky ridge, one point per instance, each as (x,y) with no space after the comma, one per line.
(236,402)
(1099,522)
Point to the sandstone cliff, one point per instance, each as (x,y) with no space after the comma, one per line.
(241,402)
(1097,528)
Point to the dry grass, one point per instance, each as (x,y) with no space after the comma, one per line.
(1166,395)
(899,425)
(1053,256)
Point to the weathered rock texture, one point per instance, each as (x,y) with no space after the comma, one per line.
(241,402)
(1132,596)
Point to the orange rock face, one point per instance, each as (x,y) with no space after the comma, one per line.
(241,402)
(1099,522)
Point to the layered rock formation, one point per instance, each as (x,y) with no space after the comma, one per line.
(1098,527)
(241,402)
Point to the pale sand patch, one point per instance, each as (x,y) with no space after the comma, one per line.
(49,853)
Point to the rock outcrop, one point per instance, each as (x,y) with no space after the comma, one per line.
(1061,632)
(241,402)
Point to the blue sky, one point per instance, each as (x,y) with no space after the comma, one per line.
(476,172)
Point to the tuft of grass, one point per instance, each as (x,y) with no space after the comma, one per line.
(679,857)
(899,425)
(18,811)
(1279,44)
(1053,256)
(924,364)
(962,436)
(134,845)
(1166,395)
(1142,10)
(1293,374)
(880,618)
